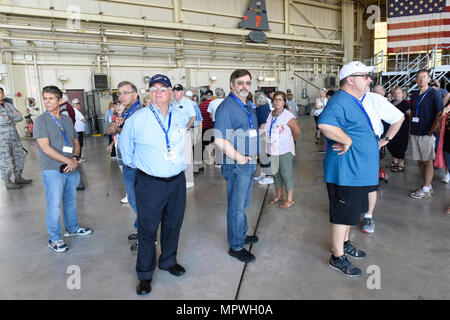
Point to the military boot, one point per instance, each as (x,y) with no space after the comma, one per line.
(11,185)
(20,180)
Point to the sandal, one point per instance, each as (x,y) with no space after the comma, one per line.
(392,165)
(398,169)
(273,201)
(287,204)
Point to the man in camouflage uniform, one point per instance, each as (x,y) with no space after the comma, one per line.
(12,156)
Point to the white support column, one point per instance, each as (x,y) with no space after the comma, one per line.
(348,20)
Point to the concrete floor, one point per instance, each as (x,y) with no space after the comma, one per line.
(410,245)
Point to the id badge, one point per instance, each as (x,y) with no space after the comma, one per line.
(67,149)
(169,155)
(268,140)
(252,133)
(415,119)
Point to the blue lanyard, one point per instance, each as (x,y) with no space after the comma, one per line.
(359,103)
(131,109)
(63,129)
(162,126)
(420,101)
(272,122)
(249,113)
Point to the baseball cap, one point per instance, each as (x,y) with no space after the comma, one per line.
(209,92)
(354,67)
(189,93)
(288,90)
(161,79)
(178,87)
(76,101)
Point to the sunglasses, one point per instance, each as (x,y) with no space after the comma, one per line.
(365,76)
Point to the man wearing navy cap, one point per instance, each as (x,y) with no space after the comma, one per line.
(153,141)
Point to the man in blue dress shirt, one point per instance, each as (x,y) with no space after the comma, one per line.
(236,135)
(153,140)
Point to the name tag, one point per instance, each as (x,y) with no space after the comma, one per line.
(415,119)
(252,133)
(67,149)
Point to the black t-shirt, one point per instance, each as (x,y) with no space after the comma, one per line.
(430,105)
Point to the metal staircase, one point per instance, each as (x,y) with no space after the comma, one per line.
(405,70)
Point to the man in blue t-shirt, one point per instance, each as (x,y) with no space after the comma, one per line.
(351,163)
(426,107)
(236,135)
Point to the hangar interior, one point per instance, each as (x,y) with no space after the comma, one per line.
(198,44)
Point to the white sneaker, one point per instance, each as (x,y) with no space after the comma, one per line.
(266,180)
(446,178)
(124,200)
(419,194)
(262,176)
(218,166)
(82,159)
(189,185)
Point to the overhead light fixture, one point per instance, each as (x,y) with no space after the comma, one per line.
(63,78)
(269,79)
(260,78)
(213,78)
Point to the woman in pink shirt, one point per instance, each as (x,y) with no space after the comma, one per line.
(281,131)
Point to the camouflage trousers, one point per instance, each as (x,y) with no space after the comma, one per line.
(12,158)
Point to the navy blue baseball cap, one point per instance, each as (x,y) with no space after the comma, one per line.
(160,78)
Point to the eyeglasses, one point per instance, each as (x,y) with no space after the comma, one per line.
(162,89)
(124,93)
(240,83)
(365,76)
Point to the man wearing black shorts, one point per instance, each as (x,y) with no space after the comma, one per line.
(351,163)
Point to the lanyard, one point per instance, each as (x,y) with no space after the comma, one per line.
(420,101)
(63,128)
(131,109)
(162,126)
(363,110)
(249,113)
(272,122)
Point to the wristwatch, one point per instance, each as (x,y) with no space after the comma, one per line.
(76,157)
(387,139)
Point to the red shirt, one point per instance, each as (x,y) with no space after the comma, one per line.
(67,107)
(207,121)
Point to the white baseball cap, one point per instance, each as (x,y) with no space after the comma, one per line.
(354,67)
(189,93)
(76,101)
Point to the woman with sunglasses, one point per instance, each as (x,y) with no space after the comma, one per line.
(282,130)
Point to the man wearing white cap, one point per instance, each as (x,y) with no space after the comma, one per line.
(351,163)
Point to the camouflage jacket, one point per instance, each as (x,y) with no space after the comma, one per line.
(8,121)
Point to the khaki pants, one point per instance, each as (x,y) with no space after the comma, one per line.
(188,158)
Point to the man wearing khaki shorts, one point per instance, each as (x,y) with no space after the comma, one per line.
(426,108)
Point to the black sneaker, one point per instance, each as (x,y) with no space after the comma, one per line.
(251,239)
(134,246)
(133,236)
(342,264)
(242,255)
(352,251)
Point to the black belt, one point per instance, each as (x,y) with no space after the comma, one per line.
(159,178)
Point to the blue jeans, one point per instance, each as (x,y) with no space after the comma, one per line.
(60,186)
(128,175)
(239,179)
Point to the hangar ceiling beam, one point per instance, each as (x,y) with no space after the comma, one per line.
(43,13)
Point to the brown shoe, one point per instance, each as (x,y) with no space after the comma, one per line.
(287,204)
(275,200)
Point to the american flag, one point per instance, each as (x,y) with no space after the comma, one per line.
(417,24)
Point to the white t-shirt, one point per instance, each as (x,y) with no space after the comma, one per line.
(80,126)
(321,103)
(213,105)
(281,140)
(379,108)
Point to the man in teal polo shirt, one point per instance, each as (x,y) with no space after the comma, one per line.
(350,170)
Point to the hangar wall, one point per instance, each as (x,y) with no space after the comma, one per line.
(193,42)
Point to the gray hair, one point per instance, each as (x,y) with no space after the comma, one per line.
(219,92)
(125,83)
(260,99)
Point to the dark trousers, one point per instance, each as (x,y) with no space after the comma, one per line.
(80,140)
(158,202)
